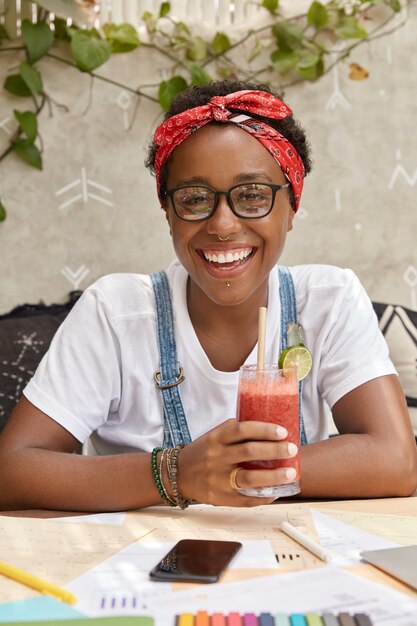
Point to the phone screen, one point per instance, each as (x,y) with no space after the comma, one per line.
(196,560)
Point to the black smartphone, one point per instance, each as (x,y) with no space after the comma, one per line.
(195,560)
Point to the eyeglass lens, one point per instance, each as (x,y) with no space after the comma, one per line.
(248,200)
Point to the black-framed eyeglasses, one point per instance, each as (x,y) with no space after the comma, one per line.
(247,200)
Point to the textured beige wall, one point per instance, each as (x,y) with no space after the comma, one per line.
(358,210)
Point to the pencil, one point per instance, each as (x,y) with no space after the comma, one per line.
(305,541)
(34,582)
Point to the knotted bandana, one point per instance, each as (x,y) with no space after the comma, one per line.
(175,129)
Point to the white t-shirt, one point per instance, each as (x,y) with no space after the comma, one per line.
(97,377)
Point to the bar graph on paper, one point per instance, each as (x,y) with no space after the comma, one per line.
(121,602)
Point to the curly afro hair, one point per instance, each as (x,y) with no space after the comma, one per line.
(199,95)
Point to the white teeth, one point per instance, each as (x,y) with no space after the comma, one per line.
(229,257)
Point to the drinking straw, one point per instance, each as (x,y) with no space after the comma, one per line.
(261,338)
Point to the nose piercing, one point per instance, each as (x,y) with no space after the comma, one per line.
(223,238)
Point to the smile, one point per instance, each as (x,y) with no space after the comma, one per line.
(227,257)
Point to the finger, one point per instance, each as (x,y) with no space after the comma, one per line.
(262,451)
(235,431)
(255,479)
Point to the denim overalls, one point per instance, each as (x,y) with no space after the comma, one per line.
(171,374)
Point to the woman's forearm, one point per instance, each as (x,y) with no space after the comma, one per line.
(357,466)
(41,479)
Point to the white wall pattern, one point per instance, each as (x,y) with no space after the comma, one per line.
(94,209)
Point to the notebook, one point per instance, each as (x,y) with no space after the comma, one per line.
(398,562)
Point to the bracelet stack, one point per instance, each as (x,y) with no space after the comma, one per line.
(170,456)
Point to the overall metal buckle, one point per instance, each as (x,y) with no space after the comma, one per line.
(157,378)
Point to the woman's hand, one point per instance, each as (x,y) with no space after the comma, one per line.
(206,464)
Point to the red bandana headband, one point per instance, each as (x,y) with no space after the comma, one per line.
(175,129)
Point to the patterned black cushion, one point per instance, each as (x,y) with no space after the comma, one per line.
(25,335)
(399,326)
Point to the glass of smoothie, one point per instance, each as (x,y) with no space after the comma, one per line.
(270,394)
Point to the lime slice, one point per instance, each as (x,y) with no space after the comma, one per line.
(296,356)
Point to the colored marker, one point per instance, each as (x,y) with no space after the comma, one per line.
(282,619)
(266,619)
(202,619)
(218,619)
(296,619)
(185,619)
(330,620)
(362,620)
(234,619)
(314,619)
(250,619)
(345,619)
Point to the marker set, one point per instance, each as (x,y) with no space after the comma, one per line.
(202,618)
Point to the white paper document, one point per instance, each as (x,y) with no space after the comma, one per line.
(323,589)
(121,583)
(126,590)
(344,542)
(121,586)
(98,518)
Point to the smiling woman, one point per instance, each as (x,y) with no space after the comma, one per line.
(144,370)
(259,241)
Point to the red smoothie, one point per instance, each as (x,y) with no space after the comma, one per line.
(274,400)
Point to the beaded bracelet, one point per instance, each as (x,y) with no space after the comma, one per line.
(161,465)
(172,467)
(157,477)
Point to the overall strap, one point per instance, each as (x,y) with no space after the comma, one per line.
(289,315)
(171,374)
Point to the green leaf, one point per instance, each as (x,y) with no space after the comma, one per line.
(270,5)
(38,39)
(350,27)
(31,77)
(199,76)
(317,15)
(28,152)
(122,37)
(61,29)
(395,5)
(284,61)
(310,65)
(28,123)
(220,43)
(17,86)
(89,52)
(177,43)
(168,89)
(182,28)
(150,21)
(165,9)
(2,212)
(289,35)
(196,49)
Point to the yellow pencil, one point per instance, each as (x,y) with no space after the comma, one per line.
(37,583)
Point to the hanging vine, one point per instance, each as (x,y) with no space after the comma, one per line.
(281,53)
